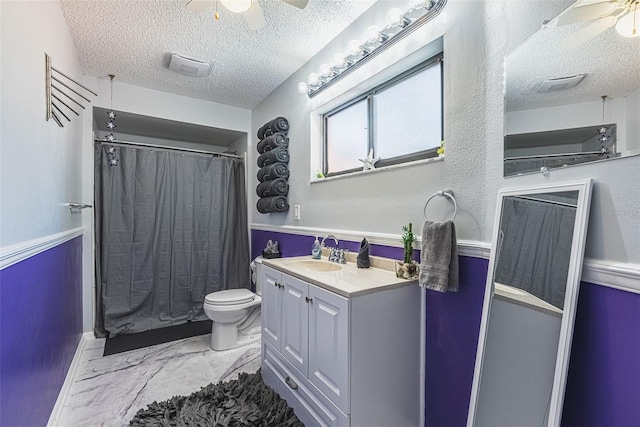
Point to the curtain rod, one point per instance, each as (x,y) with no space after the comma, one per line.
(163,147)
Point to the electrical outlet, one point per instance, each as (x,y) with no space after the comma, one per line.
(296,212)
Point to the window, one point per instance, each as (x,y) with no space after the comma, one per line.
(401,120)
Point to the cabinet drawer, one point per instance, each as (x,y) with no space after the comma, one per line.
(311,407)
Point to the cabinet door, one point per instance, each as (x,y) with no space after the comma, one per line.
(329,345)
(295,322)
(271,306)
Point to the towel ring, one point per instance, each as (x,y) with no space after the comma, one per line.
(442,193)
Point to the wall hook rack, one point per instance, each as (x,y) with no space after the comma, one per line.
(59,85)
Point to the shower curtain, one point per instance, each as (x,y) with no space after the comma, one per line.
(535,253)
(170,227)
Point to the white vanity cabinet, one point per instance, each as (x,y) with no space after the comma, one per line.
(342,361)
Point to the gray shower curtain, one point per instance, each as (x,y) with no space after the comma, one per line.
(170,227)
(535,253)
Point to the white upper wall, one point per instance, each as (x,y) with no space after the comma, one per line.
(477,36)
(40,163)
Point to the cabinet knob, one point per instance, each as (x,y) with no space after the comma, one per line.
(308,299)
(278,285)
(291,383)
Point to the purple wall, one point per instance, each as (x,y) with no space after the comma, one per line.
(40,327)
(603,385)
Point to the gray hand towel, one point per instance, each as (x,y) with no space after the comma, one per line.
(439,257)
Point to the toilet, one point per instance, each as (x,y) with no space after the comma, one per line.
(235,314)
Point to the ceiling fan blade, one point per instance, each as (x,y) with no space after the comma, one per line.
(300,4)
(199,5)
(590,31)
(586,10)
(254,16)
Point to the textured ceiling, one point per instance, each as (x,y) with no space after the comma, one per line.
(134,39)
(611,64)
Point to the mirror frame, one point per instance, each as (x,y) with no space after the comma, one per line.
(571,296)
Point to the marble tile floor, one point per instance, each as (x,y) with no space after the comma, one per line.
(109,390)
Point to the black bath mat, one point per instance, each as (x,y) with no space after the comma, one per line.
(247,401)
(127,342)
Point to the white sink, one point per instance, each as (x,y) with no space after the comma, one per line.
(314,265)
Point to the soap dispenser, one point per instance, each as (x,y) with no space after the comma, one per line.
(316,249)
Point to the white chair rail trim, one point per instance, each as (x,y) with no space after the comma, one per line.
(15,253)
(622,276)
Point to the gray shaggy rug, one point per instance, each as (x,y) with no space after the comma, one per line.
(247,401)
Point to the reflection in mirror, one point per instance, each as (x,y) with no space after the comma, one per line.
(570,99)
(529,307)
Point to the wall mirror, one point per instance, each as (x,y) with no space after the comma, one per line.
(555,113)
(529,305)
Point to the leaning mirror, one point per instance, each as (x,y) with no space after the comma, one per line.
(572,92)
(529,305)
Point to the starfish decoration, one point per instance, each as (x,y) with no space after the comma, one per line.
(111,125)
(111,115)
(113,162)
(369,162)
(111,150)
(604,151)
(602,130)
(603,138)
(111,137)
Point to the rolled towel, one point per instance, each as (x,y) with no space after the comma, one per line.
(279,124)
(262,130)
(270,172)
(280,154)
(276,140)
(362,260)
(277,187)
(272,204)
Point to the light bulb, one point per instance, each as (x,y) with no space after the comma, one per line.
(325,70)
(373,32)
(338,60)
(394,17)
(629,24)
(303,87)
(354,47)
(237,6)
(313,79)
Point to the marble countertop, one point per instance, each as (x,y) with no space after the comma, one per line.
(350,281)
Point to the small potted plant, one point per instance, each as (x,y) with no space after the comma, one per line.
(407,268)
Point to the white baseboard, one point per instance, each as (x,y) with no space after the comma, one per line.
(622,276)
(15,253)
(66,386)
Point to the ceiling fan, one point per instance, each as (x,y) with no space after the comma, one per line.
(250,9)
(624,14)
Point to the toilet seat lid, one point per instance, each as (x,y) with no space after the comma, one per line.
(230,297)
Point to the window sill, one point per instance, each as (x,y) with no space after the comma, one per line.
(382,169)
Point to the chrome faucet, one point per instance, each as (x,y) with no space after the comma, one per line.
(333,256)
(327,237)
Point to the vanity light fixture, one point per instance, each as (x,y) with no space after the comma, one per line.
(399,25)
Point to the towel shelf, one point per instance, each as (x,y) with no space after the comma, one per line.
(443,193)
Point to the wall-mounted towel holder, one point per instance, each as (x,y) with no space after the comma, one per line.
(53,101)
(442,193)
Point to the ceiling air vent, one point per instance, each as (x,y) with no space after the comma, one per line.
(560,83)
(188,66)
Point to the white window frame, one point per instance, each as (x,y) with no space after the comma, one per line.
(436,60)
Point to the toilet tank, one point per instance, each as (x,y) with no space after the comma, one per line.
(259,276)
